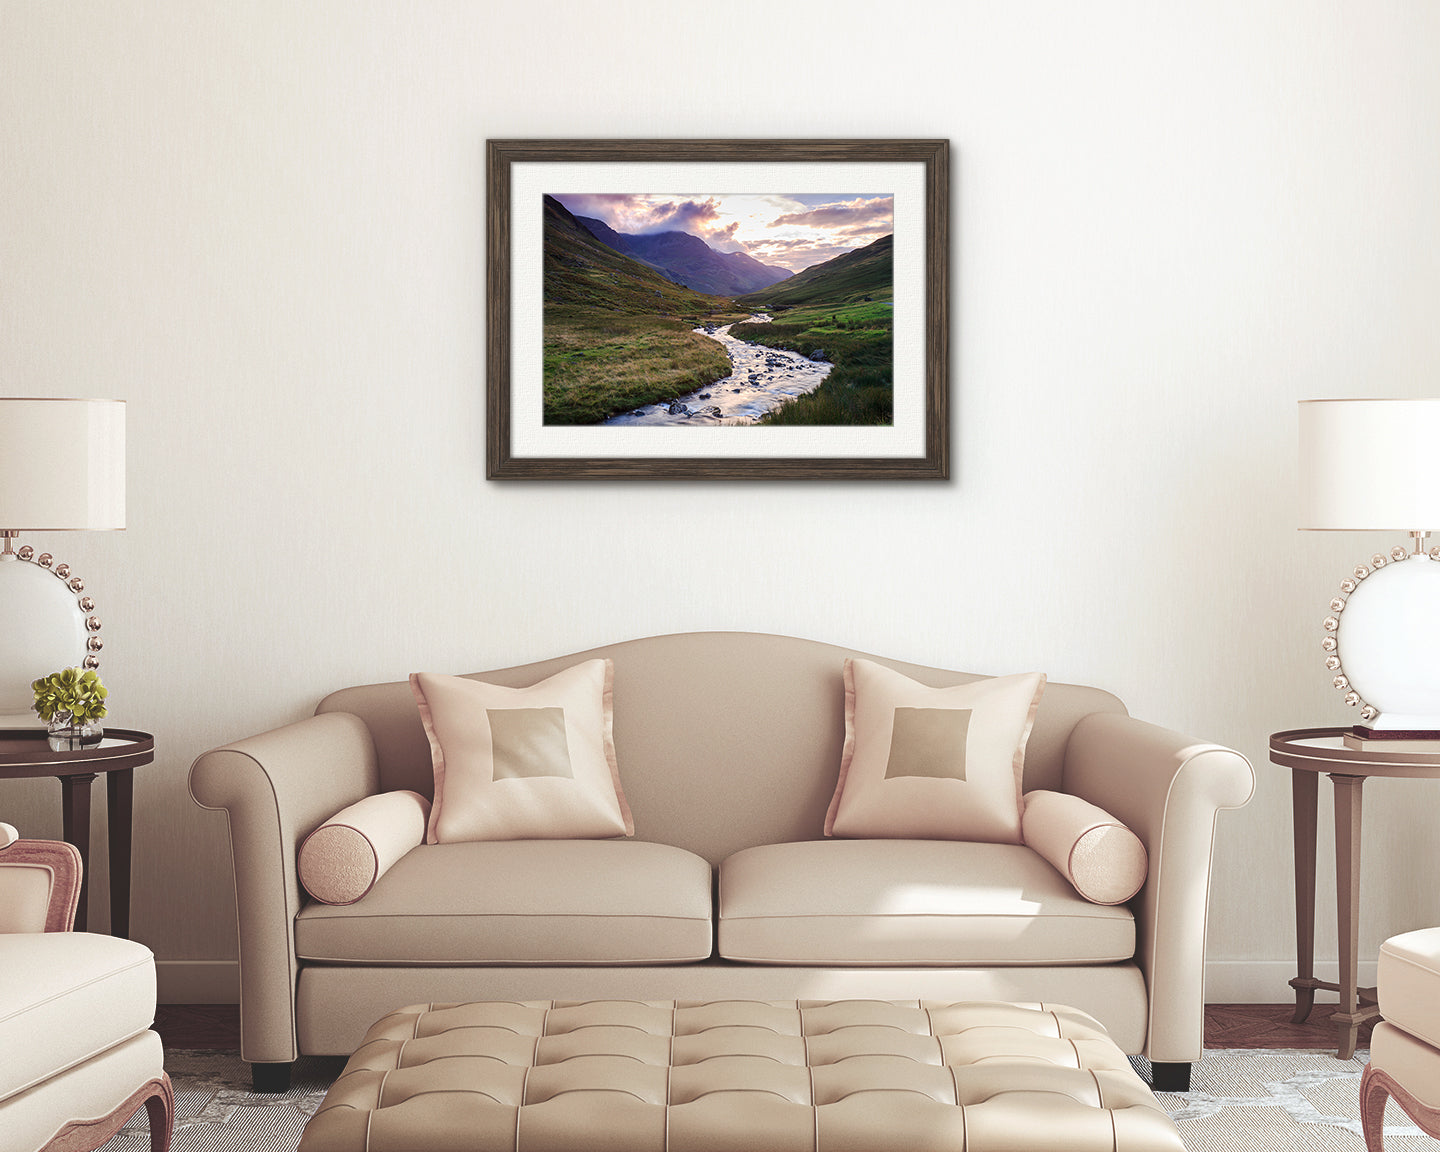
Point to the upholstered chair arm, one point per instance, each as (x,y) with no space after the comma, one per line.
(39,884)
(1167,789)
(275,788)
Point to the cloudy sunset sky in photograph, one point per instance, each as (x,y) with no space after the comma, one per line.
(790,231)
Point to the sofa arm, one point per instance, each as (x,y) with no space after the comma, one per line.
(1167,789)
(274,789)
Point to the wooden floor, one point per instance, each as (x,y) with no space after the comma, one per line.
(217,1026)
(1269,1026)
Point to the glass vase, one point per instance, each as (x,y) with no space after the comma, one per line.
(66,734)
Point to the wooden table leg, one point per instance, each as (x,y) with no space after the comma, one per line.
(1347,908)
(75,805)
(119,809)
(1304,791)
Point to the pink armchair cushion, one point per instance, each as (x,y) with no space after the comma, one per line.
(341,860)
(534,763)
(932,763)
(1104,861)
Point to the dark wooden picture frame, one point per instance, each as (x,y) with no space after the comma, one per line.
(931,458)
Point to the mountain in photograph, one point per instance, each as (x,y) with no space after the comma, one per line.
(868,271)
(688,260)
(582,271)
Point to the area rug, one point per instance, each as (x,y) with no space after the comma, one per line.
(1246,1100)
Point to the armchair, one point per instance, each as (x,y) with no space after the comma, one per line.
(1405,1046)
(75,1013)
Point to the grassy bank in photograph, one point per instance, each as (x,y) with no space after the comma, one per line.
(599,362)
(857,339)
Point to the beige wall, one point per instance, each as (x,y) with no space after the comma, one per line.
(261,224)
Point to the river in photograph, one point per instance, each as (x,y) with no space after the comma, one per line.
(761,379)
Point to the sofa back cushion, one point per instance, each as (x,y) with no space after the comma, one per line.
(724,740)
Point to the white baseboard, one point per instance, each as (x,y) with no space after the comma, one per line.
(1226,981)
(198,981)
(1268,981)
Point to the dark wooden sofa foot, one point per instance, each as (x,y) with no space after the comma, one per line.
(270,1077)
(1170,1077)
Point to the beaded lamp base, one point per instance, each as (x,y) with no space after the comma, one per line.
(47,621)
(1382,636)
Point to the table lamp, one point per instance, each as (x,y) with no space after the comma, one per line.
(62,467)
(1372,465)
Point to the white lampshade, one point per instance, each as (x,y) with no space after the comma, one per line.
(1369,464)
(62,464)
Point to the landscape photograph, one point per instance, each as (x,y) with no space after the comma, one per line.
(718,309)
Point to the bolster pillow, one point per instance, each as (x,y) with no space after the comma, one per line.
(1102,859)
(343,858)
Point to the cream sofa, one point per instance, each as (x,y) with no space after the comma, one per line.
(728,743)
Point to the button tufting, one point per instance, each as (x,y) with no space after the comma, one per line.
(806,1076)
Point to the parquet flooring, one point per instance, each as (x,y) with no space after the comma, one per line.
(217,1026)
(1269,1026)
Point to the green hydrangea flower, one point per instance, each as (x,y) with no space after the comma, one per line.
(70,693)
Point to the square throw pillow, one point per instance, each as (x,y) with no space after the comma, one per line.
(533,763)
(925,763)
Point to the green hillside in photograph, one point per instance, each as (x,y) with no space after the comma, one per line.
(868,271)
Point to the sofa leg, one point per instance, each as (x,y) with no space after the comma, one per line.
(1170,1077)
(270,1077)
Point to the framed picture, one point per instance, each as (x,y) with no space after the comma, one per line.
(717,309)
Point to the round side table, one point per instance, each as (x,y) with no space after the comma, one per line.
(25,752)
(1308,752)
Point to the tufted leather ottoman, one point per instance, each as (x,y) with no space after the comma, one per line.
(733,1075)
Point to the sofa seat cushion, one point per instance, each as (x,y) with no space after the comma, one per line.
(65,997)
(522,902)
(910,902)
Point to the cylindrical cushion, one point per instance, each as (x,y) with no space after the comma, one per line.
(343,858)
(1103,860)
